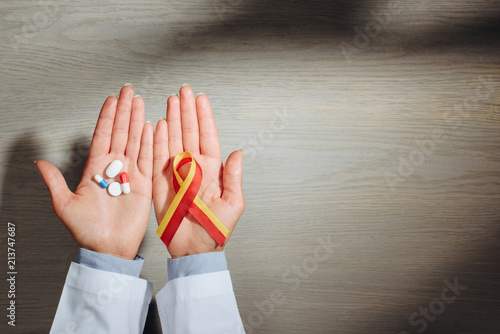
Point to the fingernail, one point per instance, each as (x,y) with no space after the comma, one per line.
(35,162)
(174,95)
(128,84)
(113,94)
(164,118)
(186,84)
(200,94)
(241,150)
(137,96)
(149,122)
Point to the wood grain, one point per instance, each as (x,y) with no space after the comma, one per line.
(369,180)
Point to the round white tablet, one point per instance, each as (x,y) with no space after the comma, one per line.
(115,189)
(114,168)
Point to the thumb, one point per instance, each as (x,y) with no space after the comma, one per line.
(54,180)
(232,180)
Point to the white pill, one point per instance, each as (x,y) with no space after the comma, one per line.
(114,168)
(115,189)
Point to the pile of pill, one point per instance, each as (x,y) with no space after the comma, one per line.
(115,188)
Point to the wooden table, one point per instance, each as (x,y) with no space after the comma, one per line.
(371,139)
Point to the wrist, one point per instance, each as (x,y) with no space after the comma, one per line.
(122,254)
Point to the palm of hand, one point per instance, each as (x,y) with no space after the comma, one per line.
(98,221)
(190,127)
(106,224)
(191,235)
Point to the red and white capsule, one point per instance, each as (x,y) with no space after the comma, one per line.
(125,183)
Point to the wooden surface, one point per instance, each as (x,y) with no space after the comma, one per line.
(374,155)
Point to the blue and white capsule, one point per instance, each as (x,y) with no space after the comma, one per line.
(101,181)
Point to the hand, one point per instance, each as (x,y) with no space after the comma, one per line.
(97,220)
(190,127)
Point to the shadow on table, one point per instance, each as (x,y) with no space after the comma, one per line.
(268,25)
(43,246)
(477,290)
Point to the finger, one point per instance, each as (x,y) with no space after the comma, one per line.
(174,126)
(160,148)
(101,139)
(145,161)
(54,180)
(122,120)
(136,128)
(209,139)
(189,121)
(232,181)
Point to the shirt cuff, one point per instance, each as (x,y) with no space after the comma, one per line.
(110,263)
(196,264)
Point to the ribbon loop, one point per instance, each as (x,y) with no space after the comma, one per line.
(186,200)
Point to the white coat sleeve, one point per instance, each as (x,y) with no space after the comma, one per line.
(202,303)
(96,301)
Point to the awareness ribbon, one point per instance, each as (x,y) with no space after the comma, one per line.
(186,200)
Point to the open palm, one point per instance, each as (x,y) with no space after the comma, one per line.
(190,127)
(98,221)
